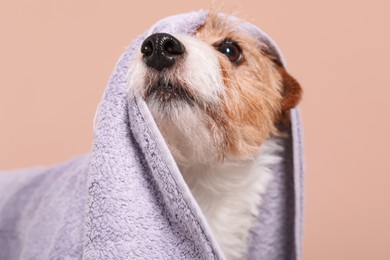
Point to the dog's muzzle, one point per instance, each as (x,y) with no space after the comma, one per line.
(160,50)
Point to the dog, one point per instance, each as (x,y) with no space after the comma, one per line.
(219,98)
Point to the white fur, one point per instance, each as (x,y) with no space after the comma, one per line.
(201,70)
(186,133)
(229,195)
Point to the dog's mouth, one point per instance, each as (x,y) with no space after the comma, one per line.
(167,92)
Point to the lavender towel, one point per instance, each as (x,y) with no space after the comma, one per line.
(127,199)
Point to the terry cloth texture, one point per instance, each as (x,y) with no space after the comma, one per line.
(127,199)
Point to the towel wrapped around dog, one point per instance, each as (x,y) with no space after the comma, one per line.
(128,200)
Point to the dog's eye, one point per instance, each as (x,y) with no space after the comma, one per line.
(231,50)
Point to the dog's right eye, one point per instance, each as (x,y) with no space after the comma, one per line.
(231,50)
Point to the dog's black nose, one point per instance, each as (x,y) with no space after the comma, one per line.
(160,50)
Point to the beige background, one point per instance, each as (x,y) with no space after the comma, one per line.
(56,57)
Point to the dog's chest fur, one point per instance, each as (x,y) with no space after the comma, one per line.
(230,195)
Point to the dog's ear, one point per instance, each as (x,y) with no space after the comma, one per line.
(291,92)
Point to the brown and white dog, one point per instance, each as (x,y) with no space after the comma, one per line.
(216,97)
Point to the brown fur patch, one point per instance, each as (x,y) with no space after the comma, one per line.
(258,92)
(292,91)
(254,92)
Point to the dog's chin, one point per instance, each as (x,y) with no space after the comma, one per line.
(168,94)
(183,124)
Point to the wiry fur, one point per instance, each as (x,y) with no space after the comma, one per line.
(218,119)
(198,73)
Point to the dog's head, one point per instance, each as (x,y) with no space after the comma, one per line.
(216,94)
